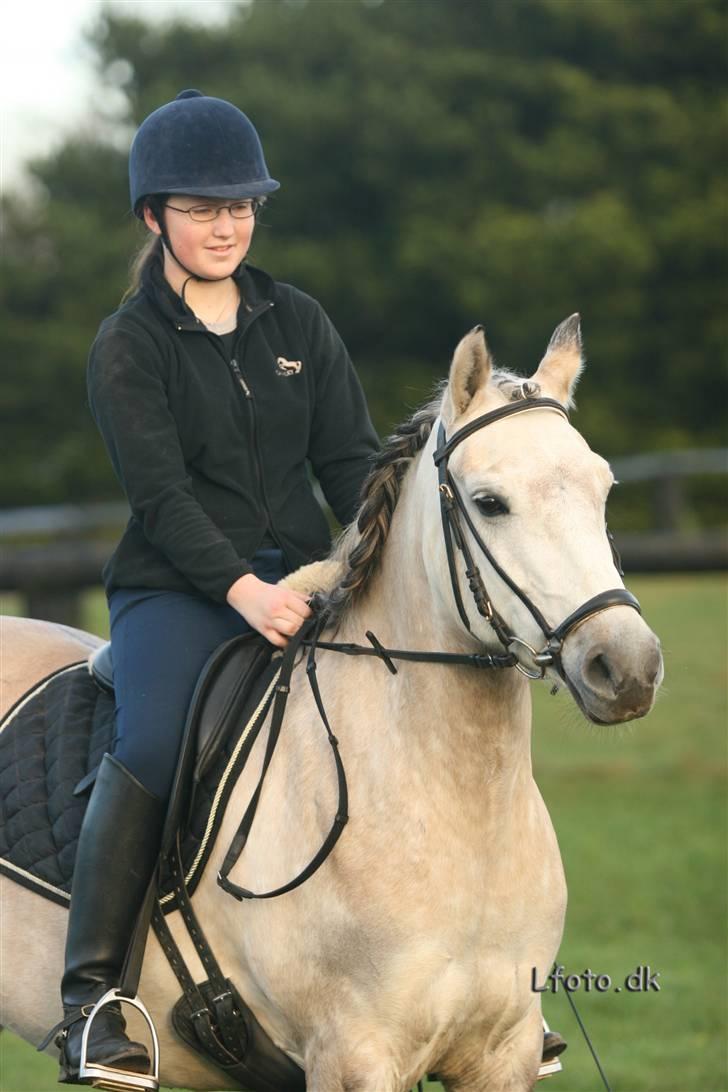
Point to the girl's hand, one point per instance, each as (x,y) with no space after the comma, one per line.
(276,612)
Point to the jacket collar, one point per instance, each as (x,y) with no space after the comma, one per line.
(256,288)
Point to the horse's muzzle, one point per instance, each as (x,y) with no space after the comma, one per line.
(614,676)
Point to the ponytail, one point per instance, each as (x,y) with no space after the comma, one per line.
(149,251)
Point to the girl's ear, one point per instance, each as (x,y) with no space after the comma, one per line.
(151,221)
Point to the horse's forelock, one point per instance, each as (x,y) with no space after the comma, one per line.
(359,548)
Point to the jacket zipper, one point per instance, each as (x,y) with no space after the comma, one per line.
(248,394)
(256,446)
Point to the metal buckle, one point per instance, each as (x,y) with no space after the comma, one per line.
(543,659)
(119,1080)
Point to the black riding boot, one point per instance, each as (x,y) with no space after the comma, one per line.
(553,1045)
(117,852)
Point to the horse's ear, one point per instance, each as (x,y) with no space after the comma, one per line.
(469,372)
(559,371)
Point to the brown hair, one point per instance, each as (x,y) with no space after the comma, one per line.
(150,248)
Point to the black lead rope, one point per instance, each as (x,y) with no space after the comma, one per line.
(584,1032)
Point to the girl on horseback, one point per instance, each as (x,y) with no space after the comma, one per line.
(213,387)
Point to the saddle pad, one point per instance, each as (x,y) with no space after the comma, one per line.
(55,737)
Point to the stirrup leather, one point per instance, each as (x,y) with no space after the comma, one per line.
(108,1077)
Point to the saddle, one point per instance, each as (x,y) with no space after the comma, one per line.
(51,744)
(220,698)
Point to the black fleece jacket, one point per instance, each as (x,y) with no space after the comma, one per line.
(211,447)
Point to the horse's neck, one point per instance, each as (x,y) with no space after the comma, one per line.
(482,715)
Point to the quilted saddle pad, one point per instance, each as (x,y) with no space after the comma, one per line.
(55,737)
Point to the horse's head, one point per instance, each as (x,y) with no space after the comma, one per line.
(524,504)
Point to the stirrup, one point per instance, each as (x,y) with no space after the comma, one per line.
(549,1068)
(108,1077)
(553,1065)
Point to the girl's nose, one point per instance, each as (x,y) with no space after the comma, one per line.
(223,223)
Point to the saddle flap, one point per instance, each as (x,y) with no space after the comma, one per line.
(228,680)
(222,689)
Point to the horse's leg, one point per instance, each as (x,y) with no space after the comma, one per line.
(362,1061)
(32,937)
(508,1066)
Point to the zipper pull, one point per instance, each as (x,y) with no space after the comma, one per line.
(239,377)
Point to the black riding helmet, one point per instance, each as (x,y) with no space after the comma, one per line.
(197,145)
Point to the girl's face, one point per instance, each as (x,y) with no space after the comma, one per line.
(213,248)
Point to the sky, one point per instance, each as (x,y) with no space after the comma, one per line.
(46,76)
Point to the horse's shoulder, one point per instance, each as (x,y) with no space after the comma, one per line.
(33,649)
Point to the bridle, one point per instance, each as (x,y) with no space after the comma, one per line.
(309,636)
(454,513)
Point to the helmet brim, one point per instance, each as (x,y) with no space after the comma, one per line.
(240,190)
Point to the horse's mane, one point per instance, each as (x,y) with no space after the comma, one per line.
(359,548)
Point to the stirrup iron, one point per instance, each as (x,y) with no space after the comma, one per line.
(553,1065)
(109,1077)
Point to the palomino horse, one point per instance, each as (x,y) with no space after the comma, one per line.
(412,949)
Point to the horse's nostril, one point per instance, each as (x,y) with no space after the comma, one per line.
(598,671)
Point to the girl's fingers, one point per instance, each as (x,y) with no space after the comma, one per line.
(288,623)
(300,606)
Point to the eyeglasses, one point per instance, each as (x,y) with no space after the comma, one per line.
(239,210)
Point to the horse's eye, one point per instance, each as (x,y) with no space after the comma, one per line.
(491,506)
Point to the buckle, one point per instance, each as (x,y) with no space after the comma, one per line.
(542,660)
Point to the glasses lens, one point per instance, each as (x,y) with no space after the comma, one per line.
(241,210)
(200,213)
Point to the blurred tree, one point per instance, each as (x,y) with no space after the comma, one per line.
(441,165)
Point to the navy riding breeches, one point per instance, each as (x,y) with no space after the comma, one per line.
(160,641)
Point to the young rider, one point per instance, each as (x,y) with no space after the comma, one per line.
(213,387)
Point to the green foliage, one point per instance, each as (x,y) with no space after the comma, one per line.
(441,165)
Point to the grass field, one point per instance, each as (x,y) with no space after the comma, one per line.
(640,813)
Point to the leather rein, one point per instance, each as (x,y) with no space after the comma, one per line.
(222,1023)
(454,513)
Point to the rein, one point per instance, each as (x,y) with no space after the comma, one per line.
(452,511)
(282,690)
(453,514)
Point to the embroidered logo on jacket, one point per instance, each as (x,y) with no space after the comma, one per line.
(288,367)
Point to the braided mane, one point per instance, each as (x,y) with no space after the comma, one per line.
(359,549)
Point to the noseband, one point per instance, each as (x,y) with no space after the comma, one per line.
(454,513)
